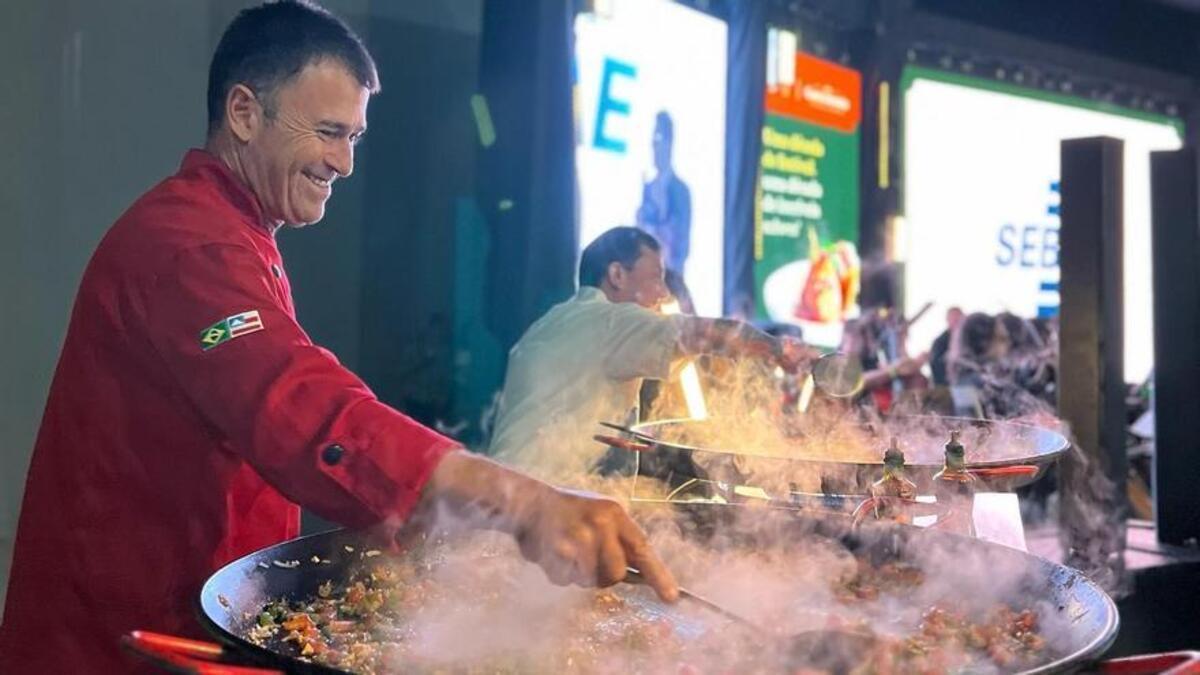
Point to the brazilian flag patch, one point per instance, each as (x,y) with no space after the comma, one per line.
(230,327)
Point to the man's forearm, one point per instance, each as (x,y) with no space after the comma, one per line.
(878,377)
(478,489)
(725,337)
(575,538)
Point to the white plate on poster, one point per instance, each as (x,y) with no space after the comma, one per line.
(781,293)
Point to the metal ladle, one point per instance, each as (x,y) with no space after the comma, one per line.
(833,650)
(838,375)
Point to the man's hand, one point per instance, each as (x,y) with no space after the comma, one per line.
(911,365)
(588,541)
(792,354)
(575,538)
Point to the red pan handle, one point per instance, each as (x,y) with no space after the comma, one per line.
(623,443)
(186,656)
(1010,471)
(859,514)
(1169,663)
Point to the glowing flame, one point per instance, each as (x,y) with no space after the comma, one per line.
(689,378)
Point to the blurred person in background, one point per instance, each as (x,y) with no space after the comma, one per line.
(583,362)
(941,347)
(877,339)
(1031,362)
(1000,364)
(977,346)
(980,343)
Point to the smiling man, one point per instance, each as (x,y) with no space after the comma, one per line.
(190,416)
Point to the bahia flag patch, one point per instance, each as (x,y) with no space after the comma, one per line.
(228,328)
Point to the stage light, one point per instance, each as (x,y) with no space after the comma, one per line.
(689,378)
(483,120)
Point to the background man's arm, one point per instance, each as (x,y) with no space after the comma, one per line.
(737,339)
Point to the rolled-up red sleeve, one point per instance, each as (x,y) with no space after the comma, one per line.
(308,425)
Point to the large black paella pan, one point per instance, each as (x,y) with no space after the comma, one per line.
(1080,619)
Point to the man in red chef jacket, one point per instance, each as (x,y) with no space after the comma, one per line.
(190,414)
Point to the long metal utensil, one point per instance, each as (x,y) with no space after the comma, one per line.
(634,576)
(644,437)
(834,650)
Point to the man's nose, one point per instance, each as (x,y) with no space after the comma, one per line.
(341,158)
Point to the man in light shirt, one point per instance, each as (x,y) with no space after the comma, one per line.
(584,361)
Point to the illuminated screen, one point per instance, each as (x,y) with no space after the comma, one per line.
(650,141)
(806,266)
(981,199)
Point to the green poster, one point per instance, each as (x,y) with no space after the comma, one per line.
(807,200)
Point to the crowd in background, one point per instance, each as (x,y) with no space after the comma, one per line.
(1009,360)
(994,366)
(981,365)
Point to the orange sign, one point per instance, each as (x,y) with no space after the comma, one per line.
(823,93)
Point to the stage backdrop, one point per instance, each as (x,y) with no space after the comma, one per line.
(806,267)
(981,169)
(650,132)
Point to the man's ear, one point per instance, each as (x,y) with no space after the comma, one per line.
(243,112)
(616,274)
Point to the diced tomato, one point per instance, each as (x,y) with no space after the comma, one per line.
(299,622)
(866,592)
(1001,655)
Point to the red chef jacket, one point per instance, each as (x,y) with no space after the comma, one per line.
(188,415)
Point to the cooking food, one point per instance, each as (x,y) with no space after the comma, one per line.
(385,618)
(868,581)
(947,639)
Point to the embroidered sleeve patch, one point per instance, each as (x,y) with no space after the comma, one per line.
(229,328)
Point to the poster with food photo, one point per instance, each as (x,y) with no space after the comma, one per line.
(806,263)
